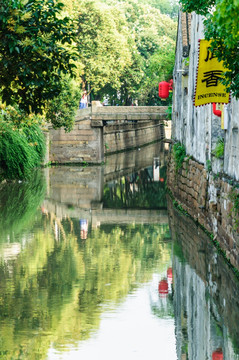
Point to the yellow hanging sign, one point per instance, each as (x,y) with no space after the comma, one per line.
(208,87)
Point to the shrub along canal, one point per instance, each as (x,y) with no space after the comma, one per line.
(96,263)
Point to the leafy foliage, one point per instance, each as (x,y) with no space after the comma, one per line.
(201,7)
(22,146)
(125,51)
(160,68)
(60,111)
(218,152)
(179,153)
(102,44)
(166,7)
(221,25)
(115,45)
(33,51)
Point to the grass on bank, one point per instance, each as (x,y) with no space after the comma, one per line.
(22,144)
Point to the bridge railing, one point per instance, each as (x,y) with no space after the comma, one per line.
(121,114)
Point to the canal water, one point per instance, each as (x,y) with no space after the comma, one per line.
(96,263)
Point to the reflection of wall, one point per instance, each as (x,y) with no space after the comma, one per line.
(126,162)
(77,192)
(206,294)
(76,186)
(82,187)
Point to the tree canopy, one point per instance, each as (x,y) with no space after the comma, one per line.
(102,44)
(221,25)
(35,50)
(116,41)
(111,47)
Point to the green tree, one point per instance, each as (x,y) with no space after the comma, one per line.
(221,26)
(61,110)
(116,44)
(35,50)
(167,7)
(102,44)
(130,80)
(160,68)
(155,41)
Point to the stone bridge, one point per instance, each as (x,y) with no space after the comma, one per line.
(108,129)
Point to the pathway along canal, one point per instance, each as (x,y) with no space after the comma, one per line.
(95,263)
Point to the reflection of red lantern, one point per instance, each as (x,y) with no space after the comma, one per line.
(163,288)
(170,275)
(163,90)
(217,355)
(43,210)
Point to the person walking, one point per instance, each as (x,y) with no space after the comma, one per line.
(84,102)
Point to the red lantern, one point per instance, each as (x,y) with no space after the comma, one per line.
(215,111)
(163,288)
(170,275)
(170,85)
(163,90)
(217,355)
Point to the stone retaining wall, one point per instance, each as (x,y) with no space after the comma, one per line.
(129,136)
(107,129)
(82,144)
(208,199)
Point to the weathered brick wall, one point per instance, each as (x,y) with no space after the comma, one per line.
(208,199)
(83,143)
(129,136)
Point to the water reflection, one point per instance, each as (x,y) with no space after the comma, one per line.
(58,287)
(18,204)
(139,184)
(91,271)
(206,295)
(73,263)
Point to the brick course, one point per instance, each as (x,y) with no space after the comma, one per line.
(207,199)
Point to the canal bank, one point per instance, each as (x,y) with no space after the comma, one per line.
(203,173)
(210,200)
